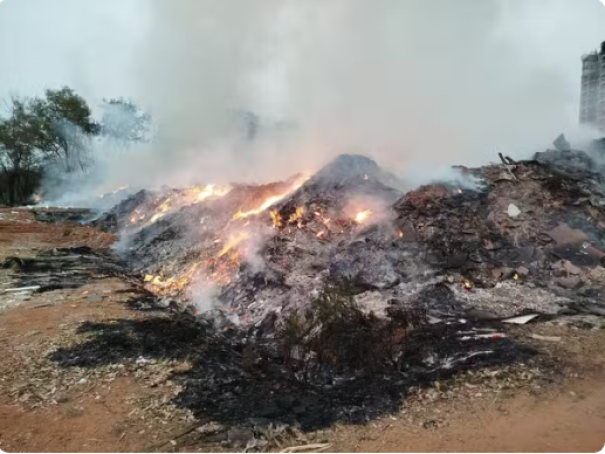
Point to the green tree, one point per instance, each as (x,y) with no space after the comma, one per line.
(65,127)
(19,156)
(37,132)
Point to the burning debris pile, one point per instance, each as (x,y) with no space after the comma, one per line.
(526,237)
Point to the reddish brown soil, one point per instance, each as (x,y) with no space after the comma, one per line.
(572,420)
(83,423)
(21,234)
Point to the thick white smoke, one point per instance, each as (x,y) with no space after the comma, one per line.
(408,82)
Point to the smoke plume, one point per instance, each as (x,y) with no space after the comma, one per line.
(408,83)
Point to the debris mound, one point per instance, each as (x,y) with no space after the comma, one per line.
(259,253)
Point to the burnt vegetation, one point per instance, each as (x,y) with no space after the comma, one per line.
(335,363)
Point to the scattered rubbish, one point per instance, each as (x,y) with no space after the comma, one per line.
(479,314)
(563,267)
(94,298)
(561,143)
(31,288)
(40,306)
(521,319)
(506,176)
(592,251)
(507,161)
(142,361)
(449,363)
(570,282)
(316,447)
(588,308)
(513,211)
(563,234)
(64,268)
(483,336)
(240,437)
(546,338)
(430,424)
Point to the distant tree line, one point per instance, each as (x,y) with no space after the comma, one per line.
(56,131)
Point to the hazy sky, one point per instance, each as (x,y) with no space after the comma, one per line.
(93,44)
(87,44)
(411,81)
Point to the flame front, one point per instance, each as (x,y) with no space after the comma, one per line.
(232,242)
(266,204)
(161,211)
(211,191)
(362,216)
(269,202)
(276,219)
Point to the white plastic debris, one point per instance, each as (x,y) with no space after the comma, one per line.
(483,336)
(546,338)
(521,319)
(513,211)
(142,361)
(33,288)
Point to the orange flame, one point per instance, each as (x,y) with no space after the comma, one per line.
(266,204)
(326,221)
(161,211)
(37,198)
(297,216)
(136,217)
(362,216)
(270,201)
(232,242)
(210,191)
(275,218)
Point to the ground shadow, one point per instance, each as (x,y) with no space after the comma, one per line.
(235,379)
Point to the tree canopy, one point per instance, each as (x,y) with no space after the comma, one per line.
(55,130)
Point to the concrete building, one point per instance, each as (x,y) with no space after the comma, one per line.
(592,99)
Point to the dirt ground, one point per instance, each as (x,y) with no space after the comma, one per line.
(48,408)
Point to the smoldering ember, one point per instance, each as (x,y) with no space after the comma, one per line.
(331,297)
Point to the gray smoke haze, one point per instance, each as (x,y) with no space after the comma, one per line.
(411,83)
(407,82)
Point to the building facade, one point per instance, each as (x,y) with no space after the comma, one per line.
(592,99)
